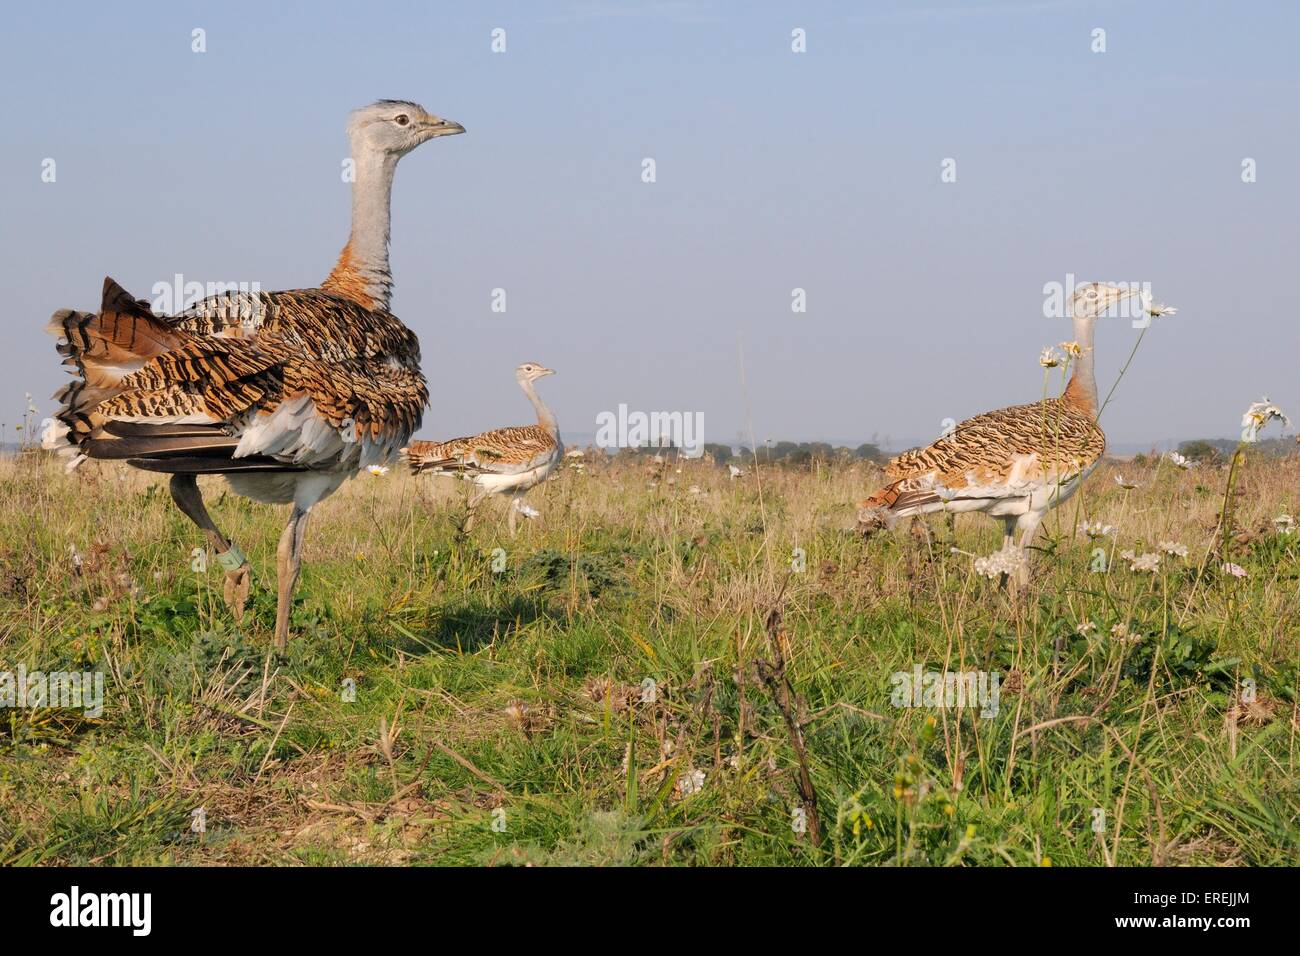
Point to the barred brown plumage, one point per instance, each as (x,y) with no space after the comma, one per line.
(285,393)
(503,446)
(1016,463)
(501,461)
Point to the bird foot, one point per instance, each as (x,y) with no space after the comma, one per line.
(239,580)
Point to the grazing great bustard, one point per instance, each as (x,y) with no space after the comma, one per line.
(503,461)
(1014,464)
(285,393)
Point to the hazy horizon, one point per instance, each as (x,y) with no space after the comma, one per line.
(775,170)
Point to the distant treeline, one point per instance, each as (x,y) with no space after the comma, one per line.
(782,452)
(1213,450)
(802,453)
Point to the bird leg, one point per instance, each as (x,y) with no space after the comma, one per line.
(288,558)
(1008,531)
(1008,538)
(514,514)
(186,494)
(1027,526)
(467,525)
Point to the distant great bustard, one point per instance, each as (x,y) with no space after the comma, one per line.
(1014,464)
(503,461)
(284,393)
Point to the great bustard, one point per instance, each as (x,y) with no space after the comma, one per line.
(285,393)
(503,461)
(1014,464)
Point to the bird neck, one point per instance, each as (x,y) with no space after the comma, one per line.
(544,416)
(362,273)
(1082,390)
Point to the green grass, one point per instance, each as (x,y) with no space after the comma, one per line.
(499,717)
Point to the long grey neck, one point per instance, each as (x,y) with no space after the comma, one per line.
(1082,390)
(362,271)
(544,416)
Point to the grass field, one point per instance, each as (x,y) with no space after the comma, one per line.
(607,688)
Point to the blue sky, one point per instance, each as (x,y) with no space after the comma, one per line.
(775,170)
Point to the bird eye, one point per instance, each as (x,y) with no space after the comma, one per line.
(401,119)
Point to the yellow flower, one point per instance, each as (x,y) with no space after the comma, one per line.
(1047,861)
(970,831)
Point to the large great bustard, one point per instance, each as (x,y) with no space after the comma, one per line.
(503,461)
(1014,464)
(285,393)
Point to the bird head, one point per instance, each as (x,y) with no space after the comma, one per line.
(531,372)
(396,127)
(1092,299)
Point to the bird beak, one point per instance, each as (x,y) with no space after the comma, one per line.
(441,127)
(1109,297)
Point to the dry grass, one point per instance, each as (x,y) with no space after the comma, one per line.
(500,717)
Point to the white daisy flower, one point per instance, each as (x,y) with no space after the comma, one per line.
(1050,358)
(1174,548)
(1236,570)
(1095,529)
(690,782)
(378,470)
(1155,309)
(1257,416)
(1126,485)
(1179,460)
(1145,562)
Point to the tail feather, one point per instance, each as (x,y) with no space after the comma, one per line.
(207,446)
(101,349)
(880,510)
(431,456)
(127,429)
(213,466)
